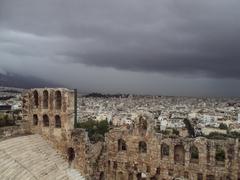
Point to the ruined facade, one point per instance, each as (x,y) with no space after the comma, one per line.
(52,114)
(131,152)
(143,154)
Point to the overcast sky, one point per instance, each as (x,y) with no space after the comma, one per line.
(169,47)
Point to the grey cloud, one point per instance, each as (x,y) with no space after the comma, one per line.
(190,39)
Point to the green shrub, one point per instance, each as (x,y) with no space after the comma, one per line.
(217,135)
(223,126)
(189,127)
(175,131)
(96,130)
(234,134)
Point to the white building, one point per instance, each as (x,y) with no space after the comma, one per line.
(238,118)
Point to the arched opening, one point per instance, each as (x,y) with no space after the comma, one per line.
(58,100)
(158,171)
(179,154)
(143,123)
(71,154)
(142,126)
(58,121)
(210,177)
(199,176)
(164,150)
(101,176)
(35,99)
(45,120)
(142,146)
(141,176)
(35,120)
(130,176)
(220,155)
(153,178)
(115,164)
(194,153)
(45,99)
(122,145)
(120,176)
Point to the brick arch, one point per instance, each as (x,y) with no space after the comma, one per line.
(143,123)
(194,154)
(120,176)
(220,155)
(35,99)
(45,99)
(45,120)
(70,154)
(35,119)
(58,100)
(179,154)
(122,146)
(58,123)
(142,147)
(165,150)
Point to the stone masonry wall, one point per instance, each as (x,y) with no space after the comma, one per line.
(133,152)
(51,113)
(156,163)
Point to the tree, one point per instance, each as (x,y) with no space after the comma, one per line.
(189,127)
(176,132)
(96,130)
(223,126)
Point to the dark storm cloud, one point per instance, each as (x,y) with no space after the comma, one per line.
(187,38)
(161,36)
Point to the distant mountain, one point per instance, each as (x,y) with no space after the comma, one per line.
(16,80)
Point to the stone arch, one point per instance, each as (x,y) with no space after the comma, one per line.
(158,171)
(120,176)
(210,177)
(199,176)
(35,119)
(101,176)
(139,176)
(45,120)
(220,155)
(122,145)
(179,154)
(70,154)
(153,178)
(45,99)
(130,176)
(58,123)
(164,150)
(35,99)
(194,154)
(142,147)
(143,123)
(58,100)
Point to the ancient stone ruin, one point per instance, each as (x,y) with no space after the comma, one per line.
(129,152)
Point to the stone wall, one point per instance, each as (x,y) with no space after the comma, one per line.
(11,131)
(51,113)
(131,154)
